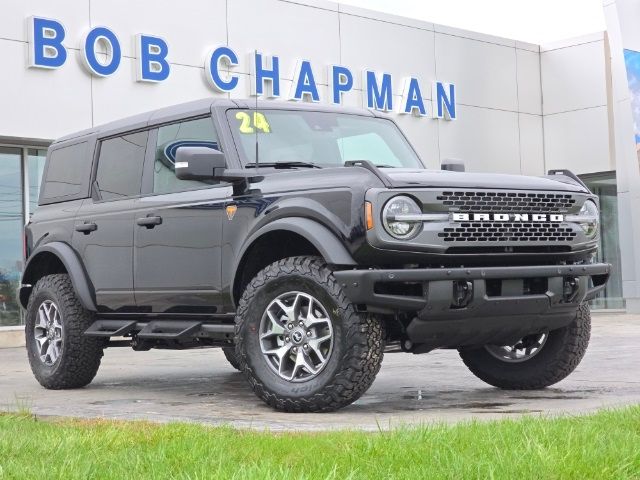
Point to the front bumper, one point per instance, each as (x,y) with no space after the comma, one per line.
(496,307)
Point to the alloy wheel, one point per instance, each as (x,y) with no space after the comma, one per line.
(48,332)
(296,336)
(524,349)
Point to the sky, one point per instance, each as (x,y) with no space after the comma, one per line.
(534,21)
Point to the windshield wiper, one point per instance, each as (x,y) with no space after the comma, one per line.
(384,166)
(283,165)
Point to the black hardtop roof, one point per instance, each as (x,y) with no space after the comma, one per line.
(202,107)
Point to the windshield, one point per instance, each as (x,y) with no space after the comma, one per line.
(324,139)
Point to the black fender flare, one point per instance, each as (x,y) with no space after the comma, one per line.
(72,264)
(324,240)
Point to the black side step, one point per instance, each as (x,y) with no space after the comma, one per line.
(169,330)
(160,329)
(110,328)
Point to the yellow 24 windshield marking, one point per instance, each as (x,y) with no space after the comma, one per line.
(259,122)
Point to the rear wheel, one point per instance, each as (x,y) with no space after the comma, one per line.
(301,344)
(59,355)
(535,361)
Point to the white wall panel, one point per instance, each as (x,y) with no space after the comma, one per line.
(288,30)
(323,4)
(387,47)
(578,140)
(528,46)
(619,83)
(354,98)
(384,17)
(486,140)
(484,73)
(189,32)
(42,104)
(629,13)
(73,14)
(118,96)
(531,144)
(572,42)
(573,77)
(483,37)
(529,89)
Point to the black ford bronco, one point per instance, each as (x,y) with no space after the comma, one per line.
(303,240)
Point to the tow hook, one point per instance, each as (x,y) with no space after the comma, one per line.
(462,293)
(571,288)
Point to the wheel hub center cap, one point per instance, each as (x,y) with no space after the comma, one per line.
(298,336)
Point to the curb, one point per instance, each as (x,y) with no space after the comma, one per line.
(12,337)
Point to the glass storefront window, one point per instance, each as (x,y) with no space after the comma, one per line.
(11,223)
(35,167)
(604,185)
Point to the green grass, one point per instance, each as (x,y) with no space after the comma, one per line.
(600,446)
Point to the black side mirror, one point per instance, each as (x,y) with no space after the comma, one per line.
(199,163)
(452,165)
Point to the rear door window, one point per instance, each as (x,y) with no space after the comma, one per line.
(120,164)
(67,174)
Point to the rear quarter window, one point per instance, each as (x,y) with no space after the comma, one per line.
(67,174)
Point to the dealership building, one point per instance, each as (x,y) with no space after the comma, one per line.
(498,105)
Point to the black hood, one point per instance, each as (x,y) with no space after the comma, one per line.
(411,178)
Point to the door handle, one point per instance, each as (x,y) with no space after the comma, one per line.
(86,227)
(149,221)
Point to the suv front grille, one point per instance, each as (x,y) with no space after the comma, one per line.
(521,202)
(484,233)
(507,232)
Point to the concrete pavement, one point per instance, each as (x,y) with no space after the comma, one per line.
(199,386)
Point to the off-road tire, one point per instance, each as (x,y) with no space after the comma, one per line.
(80,356)
(230,355)
(559,356)
(357,349)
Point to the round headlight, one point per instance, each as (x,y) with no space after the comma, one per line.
(589,218)
(396,217)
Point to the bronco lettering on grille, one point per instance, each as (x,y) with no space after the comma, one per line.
(506,217)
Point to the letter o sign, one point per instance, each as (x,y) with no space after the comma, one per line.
(105,61)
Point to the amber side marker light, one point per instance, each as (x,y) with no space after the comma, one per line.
(231,211)
(368,214)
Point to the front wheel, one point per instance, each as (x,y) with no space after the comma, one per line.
(301,344)
(536,361)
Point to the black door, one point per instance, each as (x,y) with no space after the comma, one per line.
(103,230)
(178,229)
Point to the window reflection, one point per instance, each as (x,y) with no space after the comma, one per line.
(11,223)
(604,185)
(35,167)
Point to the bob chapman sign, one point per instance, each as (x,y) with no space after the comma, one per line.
(101,55)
